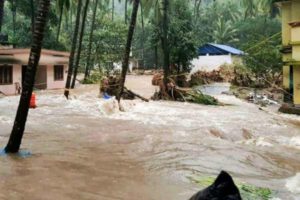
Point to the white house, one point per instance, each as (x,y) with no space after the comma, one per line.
(212,56)
(51,72)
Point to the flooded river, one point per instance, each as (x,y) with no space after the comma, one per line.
(86,149)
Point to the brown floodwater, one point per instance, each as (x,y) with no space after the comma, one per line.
(85,148)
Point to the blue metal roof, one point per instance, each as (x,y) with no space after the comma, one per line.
(218,49)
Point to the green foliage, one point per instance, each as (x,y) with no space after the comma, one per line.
(182,42)
(264,54)
(201,98)
(94,78)
(242,24)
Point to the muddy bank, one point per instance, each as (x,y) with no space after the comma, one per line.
(86,149)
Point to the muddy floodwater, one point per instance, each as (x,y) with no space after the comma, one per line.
(86,149)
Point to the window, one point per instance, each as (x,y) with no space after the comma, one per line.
(6,75)
(58,72)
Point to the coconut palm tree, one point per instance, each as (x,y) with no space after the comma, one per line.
(143,34)
(224,32)
(88,60)
(125,62)
(61,6)
(32,14)
(126,10)
(16,136)
(250,7)
(165,45)
(1,13)
(269,7)
(83,22)
(73,49)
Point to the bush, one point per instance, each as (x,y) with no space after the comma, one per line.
(94,78)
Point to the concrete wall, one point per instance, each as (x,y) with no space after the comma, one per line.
(297,85)
(286,19)
(17,78)
(210,63)
(51,83)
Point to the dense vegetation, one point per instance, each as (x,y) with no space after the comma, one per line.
(242,24)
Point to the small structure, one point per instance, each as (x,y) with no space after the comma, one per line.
(51,72)
(290,10)
(212,56)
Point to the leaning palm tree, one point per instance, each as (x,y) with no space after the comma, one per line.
(16,136)
(125,62)
(73,49)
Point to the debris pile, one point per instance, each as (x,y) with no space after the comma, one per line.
(262,97)
(244,78)
(223,74)
(171,91)
(111,85)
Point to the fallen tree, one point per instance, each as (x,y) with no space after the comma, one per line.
(111,86)
(171,91)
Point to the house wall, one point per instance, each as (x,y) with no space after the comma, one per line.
(210,63)
(17,78)
(297,85)
(51,83)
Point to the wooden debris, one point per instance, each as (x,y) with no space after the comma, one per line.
(111,87)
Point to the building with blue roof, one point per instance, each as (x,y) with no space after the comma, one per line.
(218,49)
(213,56)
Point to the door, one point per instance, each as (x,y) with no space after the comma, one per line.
(40,77)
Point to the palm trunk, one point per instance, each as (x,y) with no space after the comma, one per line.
(14,15)
(156,56)
(80,42)
(1,13)
(125,62)
(88,62)
(73,49)
(59,22)
(143,36)
(113,10)
(32,14)
(126,9)
(165,44)
(16,136)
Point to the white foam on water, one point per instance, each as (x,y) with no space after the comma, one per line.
(260,142)
(293,142)
(293,184)
(6,120)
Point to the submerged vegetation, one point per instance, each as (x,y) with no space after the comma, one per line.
(248,192)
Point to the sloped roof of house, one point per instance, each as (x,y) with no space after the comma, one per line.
(20,56)
(218,49)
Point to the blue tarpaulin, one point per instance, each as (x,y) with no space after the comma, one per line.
(218,49)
